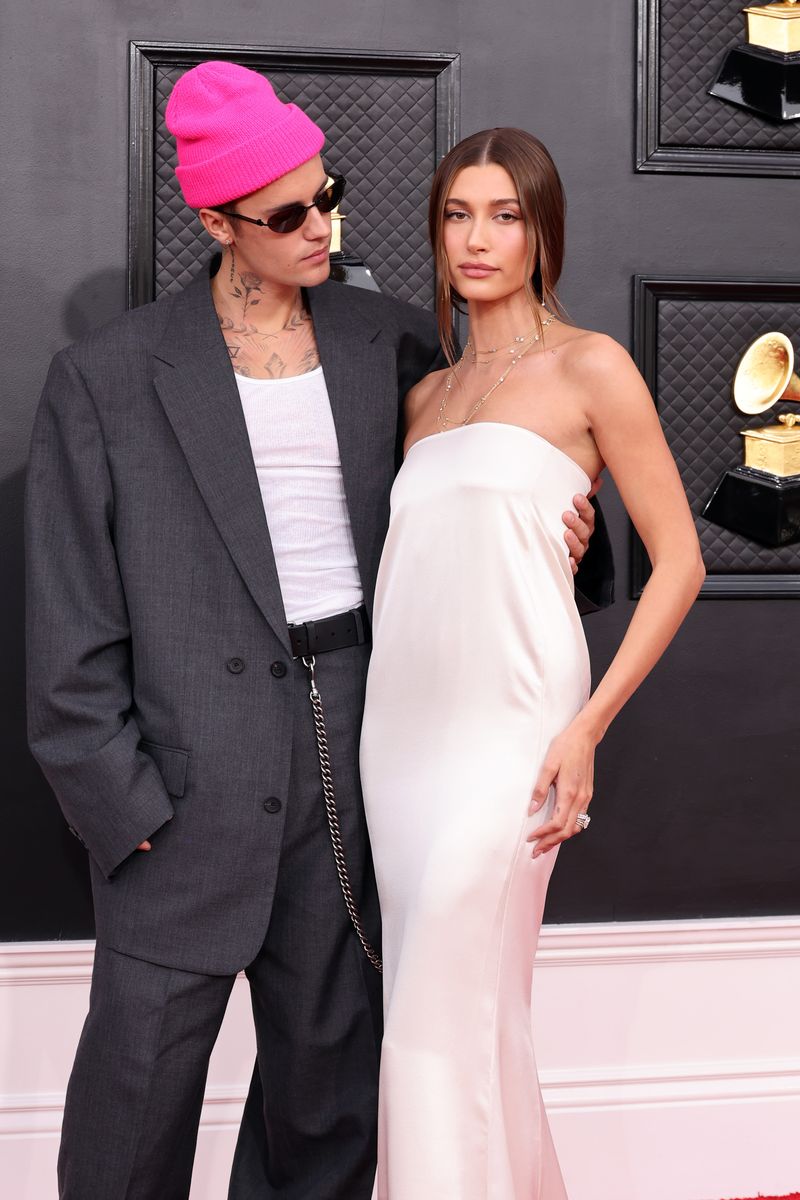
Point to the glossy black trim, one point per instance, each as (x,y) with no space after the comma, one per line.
(652,156)
(763,81)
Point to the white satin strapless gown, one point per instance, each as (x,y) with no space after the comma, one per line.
(479,659)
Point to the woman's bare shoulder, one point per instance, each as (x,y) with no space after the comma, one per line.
(588,350)
(422,393)
(602,372)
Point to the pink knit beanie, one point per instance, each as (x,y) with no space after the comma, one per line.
(233,133)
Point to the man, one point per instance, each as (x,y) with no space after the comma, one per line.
(208,494)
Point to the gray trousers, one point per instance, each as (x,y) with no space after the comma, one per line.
(136,1091)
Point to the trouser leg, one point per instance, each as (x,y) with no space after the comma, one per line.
(136,1090)
(309,1129)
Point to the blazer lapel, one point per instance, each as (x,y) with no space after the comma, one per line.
(361,378)
(196,386)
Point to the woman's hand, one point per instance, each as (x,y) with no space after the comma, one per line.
(569,767)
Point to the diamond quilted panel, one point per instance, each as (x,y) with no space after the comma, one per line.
(381,134)
(699,344)
(695,35)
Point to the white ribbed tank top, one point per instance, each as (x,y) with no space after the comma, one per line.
(296,455)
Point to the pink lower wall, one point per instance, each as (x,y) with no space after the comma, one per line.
(667,1053)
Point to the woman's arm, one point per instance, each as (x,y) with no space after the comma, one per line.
(628,434)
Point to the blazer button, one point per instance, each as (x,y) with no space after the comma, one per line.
(235,665)
(273,805)
(278,669)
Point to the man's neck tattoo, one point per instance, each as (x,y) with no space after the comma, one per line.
(289,350)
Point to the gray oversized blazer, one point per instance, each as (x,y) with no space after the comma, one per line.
(151,581)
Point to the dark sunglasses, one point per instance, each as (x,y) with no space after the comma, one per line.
(286,220)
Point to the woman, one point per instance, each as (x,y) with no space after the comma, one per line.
(479,732)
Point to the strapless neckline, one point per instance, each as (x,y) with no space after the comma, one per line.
(430,437)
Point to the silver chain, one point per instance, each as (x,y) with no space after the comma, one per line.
(333,816)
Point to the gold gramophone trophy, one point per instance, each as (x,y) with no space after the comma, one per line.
(763,74)
(346,268)
(761,499)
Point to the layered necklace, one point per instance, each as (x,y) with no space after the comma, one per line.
(517,349)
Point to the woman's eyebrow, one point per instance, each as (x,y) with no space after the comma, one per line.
(465,203)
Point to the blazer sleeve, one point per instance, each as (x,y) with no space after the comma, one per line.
(80,726)
(594,582)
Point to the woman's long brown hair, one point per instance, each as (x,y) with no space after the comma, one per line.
(543,205)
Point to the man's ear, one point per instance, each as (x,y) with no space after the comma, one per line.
(217,226)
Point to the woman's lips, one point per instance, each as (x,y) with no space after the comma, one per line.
(317,256)
(476,270)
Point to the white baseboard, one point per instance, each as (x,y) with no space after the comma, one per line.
(626,942)
(565,945)
(684,1083)
(659,1044)
(39,1113)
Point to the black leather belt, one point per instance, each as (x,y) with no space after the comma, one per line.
(331,633)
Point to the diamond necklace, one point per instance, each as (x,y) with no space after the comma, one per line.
(510,347)
(443,421)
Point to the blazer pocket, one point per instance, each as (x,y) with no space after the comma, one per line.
(172,765)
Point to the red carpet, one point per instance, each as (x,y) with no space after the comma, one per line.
(794,1196)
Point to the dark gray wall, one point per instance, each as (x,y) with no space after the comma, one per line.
(696,806)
